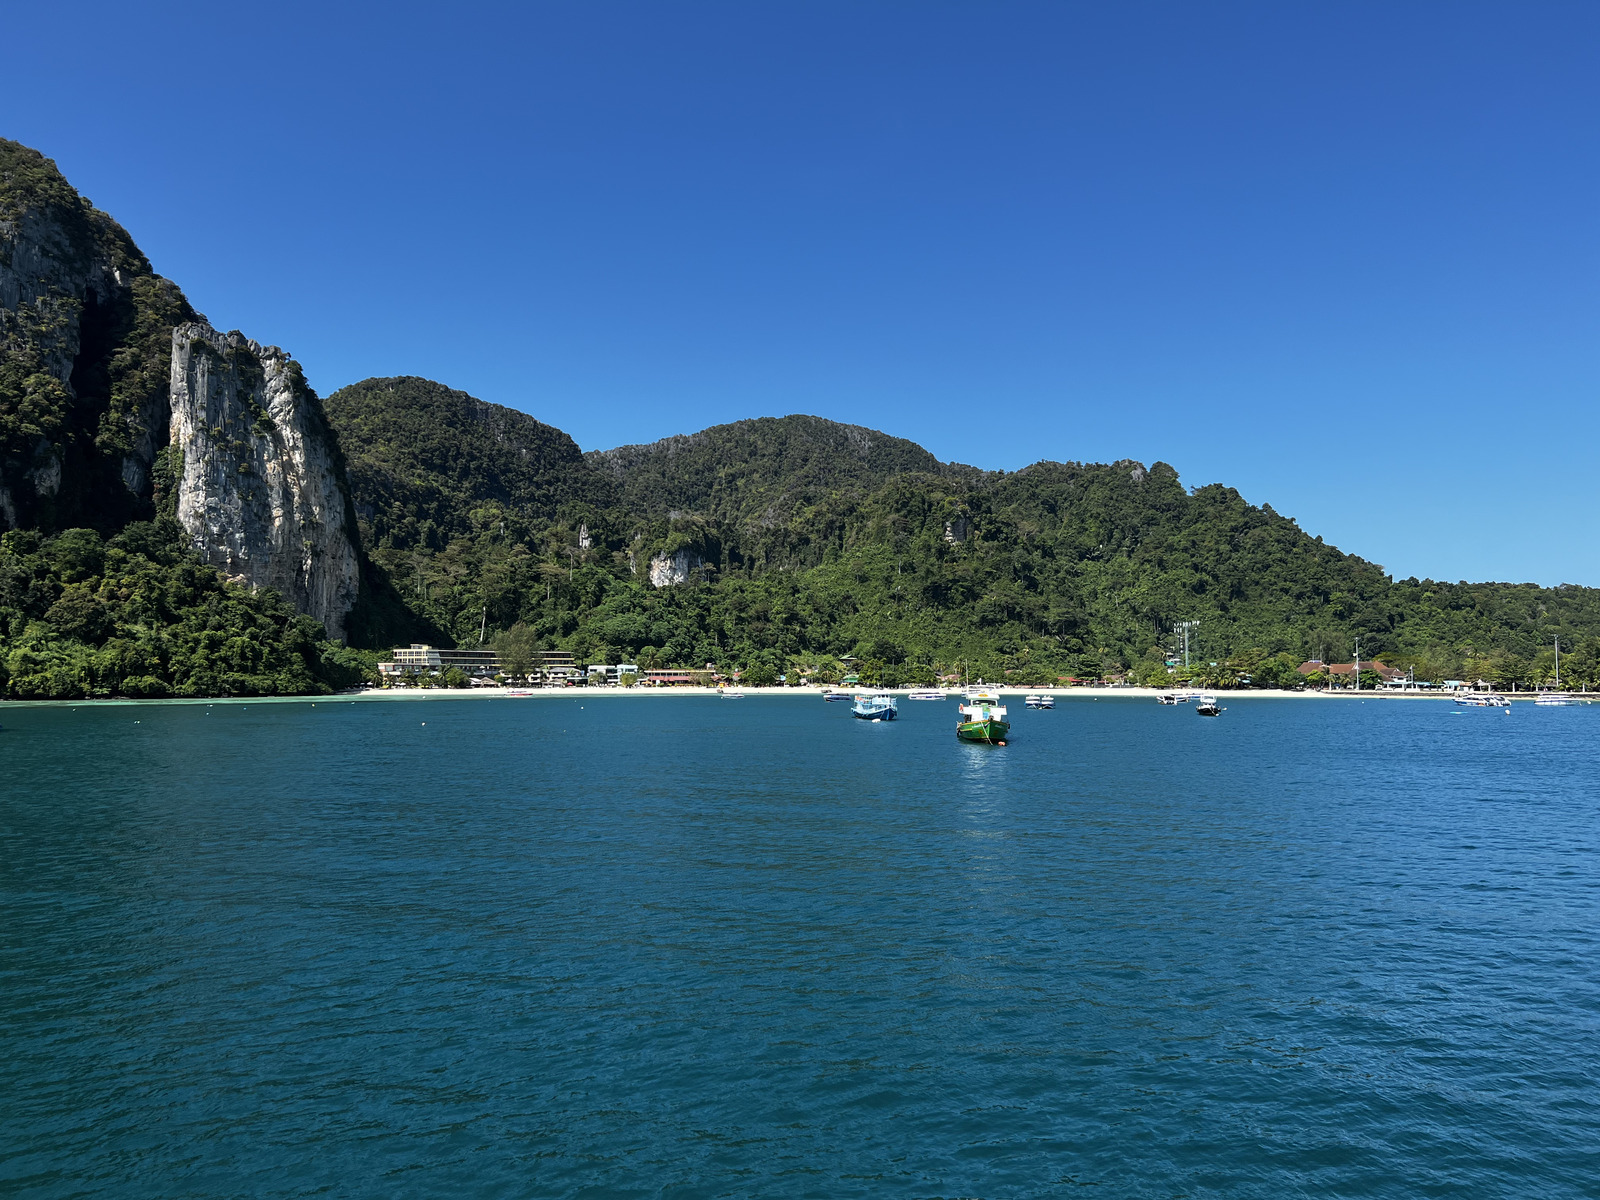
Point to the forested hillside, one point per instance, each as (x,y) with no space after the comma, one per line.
(813,541)
(429,464)
(761,470)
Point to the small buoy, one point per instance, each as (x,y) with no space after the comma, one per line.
(999,743)
(424,722)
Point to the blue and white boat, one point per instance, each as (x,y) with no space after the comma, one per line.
(879,706)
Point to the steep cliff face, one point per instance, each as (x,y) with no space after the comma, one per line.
(84,327)
(259,481)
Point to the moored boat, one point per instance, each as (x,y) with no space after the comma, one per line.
(1207,706)
(831,696)
(982,721)
(1035,701)
(927,694)
(1555,699)
(733,695)
(983,696)
(1483,700)
(879,706)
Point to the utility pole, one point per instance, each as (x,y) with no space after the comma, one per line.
(1186,626)
(1358,664)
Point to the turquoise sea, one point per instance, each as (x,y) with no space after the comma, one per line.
(688,947)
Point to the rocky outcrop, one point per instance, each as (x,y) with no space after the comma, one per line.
(667,569)
(84,326)
(259,489)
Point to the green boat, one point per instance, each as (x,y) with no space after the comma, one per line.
(983,722)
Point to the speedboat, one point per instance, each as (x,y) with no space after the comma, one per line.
(1555,699)
(1207,706)
(1039,701)
(733,695)
(1175,697)
(927,694)
(830,696)
(879,706)
(983,696)
(1483,700)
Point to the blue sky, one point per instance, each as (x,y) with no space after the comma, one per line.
(1342,257)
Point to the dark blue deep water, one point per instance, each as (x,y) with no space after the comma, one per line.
(684,947)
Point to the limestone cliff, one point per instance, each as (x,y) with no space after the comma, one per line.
(667,569)
(259,481)
(84,325)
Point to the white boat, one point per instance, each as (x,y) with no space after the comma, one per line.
(735,695)
(1207,706)
(927,694)
(519,692)
(983,696)
(1035,701)
(1557,698)
(1483,700)
(878,706)
(830,695)
(1177,697)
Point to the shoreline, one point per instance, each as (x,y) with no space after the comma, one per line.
(1008,694)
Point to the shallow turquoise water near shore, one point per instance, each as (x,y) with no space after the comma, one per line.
(691,947)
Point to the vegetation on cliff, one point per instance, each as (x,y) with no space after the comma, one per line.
(83,616)
(84,353)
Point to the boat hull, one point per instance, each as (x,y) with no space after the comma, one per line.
(990,731)
(877,714)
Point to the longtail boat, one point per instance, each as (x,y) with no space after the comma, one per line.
(982,721)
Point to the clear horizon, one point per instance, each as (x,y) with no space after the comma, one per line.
(1342,261)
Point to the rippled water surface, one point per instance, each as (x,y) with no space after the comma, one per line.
(681,947)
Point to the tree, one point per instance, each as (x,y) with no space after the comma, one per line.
(518,650)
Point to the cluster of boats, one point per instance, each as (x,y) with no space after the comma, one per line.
(981,717)
(1496,700)
(1204,705)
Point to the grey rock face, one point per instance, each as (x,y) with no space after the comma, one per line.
(259,492)
(83,335)
(668,569)
(44,276)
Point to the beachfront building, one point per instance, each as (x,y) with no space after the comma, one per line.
(419,658)
(558,666)
(675,677)
(1343,674)
(610,674)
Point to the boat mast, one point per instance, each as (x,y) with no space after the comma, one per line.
(1358,664)
(1558,664)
